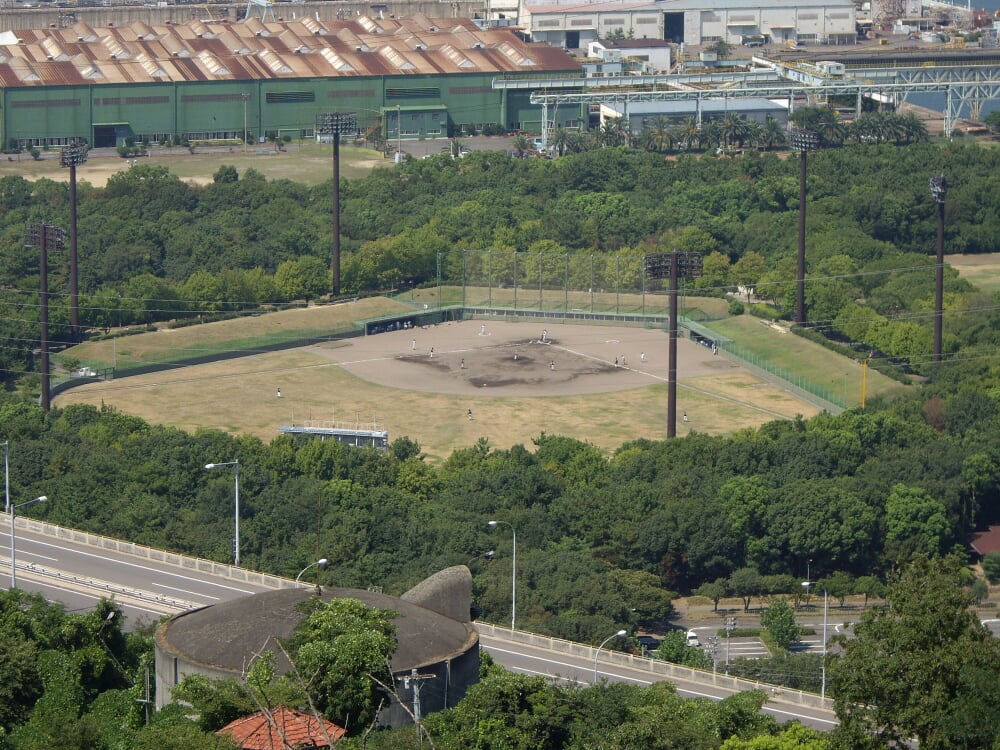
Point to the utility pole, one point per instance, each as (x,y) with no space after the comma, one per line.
(730,627)
(45,237)
(939,191)
(416,680)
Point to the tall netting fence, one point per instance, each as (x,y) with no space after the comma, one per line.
(550,282)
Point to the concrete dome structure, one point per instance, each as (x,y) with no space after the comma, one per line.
(436,639)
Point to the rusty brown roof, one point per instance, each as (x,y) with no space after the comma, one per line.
(284,728)
(984,542)
(255,49)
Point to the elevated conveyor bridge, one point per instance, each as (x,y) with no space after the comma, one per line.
(966,85)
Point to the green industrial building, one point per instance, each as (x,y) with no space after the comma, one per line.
(403,79)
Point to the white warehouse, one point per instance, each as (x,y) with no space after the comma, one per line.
(573,25)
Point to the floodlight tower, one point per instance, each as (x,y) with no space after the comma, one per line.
(73,154)
(333,124)
(802,141)
(45,237)
(673,266)
(939,191)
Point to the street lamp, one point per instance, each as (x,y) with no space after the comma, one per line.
(603,643)
(822,693)
(321,563)
(236,539)
(513,572)
(802,141)
(939,191)
(6,476)
(333,124)
(13,556)
(73,154)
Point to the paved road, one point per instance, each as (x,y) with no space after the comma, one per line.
(528,659)
(79,573)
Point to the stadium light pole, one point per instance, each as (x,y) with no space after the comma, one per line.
(939,191)
(674,266)
(73,154)
(236,539)
(597,653)
(513,571)
(321,563)
(45,237)
(13,539)
(333,124)
(802,141)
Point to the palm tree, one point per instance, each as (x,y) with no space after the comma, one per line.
(772,133)
(658,137)
(689,134)
(711,134)
(614,132)
(455,148)
(913,128)
(560,141)
(520,145)
(734,129)
(577,143)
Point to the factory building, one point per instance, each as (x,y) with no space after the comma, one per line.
(410,78)
(573,25)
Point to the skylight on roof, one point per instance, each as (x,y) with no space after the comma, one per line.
(456,57)
(213,64)
(514,54)
(273,61)
(337,62)
(395,58)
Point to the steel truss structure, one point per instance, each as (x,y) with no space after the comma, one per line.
(966,86)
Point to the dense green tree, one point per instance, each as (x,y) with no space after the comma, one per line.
(779,619)
(713,590)
(939,682)
(916,523)
(674,647)
(746,583)
(337,650)
(991,566)
(793,737)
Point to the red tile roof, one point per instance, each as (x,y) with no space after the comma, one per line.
(287,728)
(984,542)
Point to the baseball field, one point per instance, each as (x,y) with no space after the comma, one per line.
(448,385)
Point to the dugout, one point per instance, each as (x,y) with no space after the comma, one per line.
(706,336)
(399,322)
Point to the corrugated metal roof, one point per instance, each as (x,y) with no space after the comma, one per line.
(207,50)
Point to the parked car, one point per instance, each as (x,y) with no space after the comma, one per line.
(693,639)
(648,642)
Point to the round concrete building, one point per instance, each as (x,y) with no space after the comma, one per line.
(434,633)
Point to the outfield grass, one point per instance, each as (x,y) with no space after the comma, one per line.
(806,360)
(307,163)
(171,345)
(983,271)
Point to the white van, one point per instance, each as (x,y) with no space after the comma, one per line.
(693,639)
